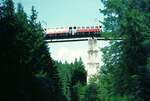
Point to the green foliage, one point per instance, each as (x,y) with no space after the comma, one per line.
(80,91)
(65,77)
(78,73)
(125,73)
(72,76)
(28,70)
(113,76)
(91,92)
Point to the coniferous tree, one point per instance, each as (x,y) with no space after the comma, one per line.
(7,57)
(28,71)
(73,78)
(78,76)
(127,69)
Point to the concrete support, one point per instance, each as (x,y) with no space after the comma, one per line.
(93,60)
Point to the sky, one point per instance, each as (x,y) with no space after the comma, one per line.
(55,13)
(71,50)
(64,13)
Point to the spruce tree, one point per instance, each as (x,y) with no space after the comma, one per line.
(28,71)
(127,72)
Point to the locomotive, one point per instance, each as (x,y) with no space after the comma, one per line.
(73,32)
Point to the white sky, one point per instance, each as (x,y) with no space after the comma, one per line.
(68,51)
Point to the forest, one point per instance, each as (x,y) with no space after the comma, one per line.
(28,72)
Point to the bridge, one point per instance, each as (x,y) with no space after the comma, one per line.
(72,34)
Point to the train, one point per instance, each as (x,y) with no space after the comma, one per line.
(73,32)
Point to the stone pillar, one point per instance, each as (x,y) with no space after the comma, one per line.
(93,62)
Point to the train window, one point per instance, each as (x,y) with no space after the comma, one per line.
(74,27)
(100,26)
(78,27)
(92,27)
(83,27)
(96,26)
(70,30)
(87,27)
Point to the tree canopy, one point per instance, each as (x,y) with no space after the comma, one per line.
(125,73)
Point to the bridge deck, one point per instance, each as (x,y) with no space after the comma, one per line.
(79,39)
(67,37)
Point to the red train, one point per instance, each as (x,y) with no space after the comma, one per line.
(73,31)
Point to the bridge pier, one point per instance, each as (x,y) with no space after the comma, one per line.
(93,60)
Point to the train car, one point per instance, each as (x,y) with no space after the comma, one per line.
(89,29)
(59,32)
(62,32)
